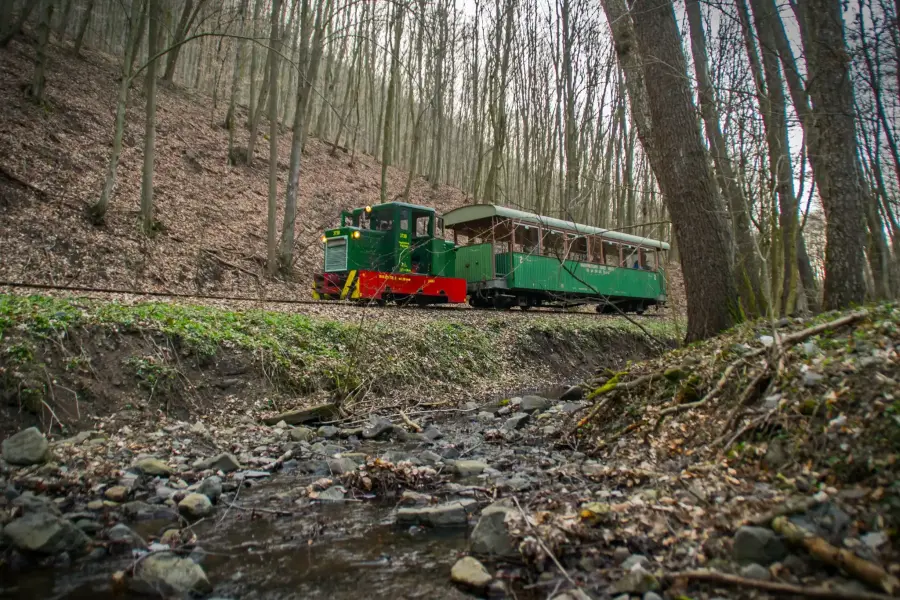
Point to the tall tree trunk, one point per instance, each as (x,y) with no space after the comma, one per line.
(230,120)
(684,174)
(97,211)
(272,229)
(83,25)
(498,103)
(188,14)
(254,61)
(836,171)
(389,102)
(39,81)
(64,20)
(16,27)
(746,263)
(154,15)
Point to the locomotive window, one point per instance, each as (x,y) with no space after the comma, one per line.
(380,221)
(422,226)
(611,254)
(404,220)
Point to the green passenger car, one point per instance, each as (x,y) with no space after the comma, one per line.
(514,258)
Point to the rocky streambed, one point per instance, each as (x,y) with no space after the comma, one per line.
(483,501)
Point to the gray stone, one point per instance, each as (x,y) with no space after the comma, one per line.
(758,545)
(491,536)
(574,392)
(45,533)
(429,458)
(211,487)
(166,574)
(432,433)
(573,594)
(620,554)
(811,378)
(152,466)
(332,494)
(874,540)
(377,427)
(485,417)
(302,434)
(443,515)
(755,571)
(328,431)
(652,596)
(342,465)
(195,506)
(224,462)
(141,511)
(505,411)
(28,447)
(123,535)
(826,520)
(470,573)
(635,559)
(29,503)
(776,455)
(531,404)
(517,421)
(411,498)
(636,581)
(570,407)
(322,449)
(468,468)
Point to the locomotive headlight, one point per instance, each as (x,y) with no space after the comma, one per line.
(368,209)
(356,235)
(324,239)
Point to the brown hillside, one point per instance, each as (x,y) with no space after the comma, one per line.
(53,161)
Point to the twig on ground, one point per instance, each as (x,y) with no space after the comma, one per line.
(608,388)
(864,570)
(269,511)
(231,264)
(720,385)
(772,586)
(537,536)
(412,424)
(788,508)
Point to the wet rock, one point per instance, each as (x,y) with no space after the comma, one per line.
(323,412)
(411,498)
(755,571)
(211,487)
(468,468)
(470,573)
(531,404)
(342,465)
(443,515)
(321,449)
(429,458)
(377,426)
(29,503)
(123,535)
(491,536)
(28,447)
(117,493)
(874,540)
(517,421)
(45,533)
(328,431)
(224,462)
(164,492)
(571,407)
(151,466)
(302,434)
(485,417)
(758,545)
(573,392)
(652,596)
(432,433)
(141,511)
(826,520)
(506,410)
(620,554)
(332,494)
(195,506)
(636,581)
(635,559)
(89,526)
(166,574)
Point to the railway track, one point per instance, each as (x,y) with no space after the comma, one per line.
(100,293)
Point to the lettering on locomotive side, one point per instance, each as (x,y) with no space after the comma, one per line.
(335,232)
(397,278)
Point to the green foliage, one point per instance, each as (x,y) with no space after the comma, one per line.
(153,374)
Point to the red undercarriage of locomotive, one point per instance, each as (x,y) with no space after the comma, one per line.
(374,285)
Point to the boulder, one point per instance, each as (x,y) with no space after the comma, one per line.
(449,514)
(377,427)
(574,392)
(302,434)
(28,447)
(224,462)
(470,573)
(195,506)
(491,536)
(755,571)
(117,493)
(636,581)
(328,431)
(29,503)
(758,545)
(165,574)
(333,494)
(635,559)
(45,533)
(468,468)
(211,487)
(123,535)
(152,466)
(517,421)
(432,433)
(141,511)
(341,465)
(531,404)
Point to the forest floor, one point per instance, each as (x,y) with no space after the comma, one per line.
(760,463)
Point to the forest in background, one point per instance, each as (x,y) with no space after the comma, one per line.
(765,134)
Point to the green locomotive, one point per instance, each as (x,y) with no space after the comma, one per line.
(499,258)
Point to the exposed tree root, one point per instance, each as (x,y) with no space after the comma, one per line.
(610,386)
(788,508)
(778,588)
(720,385)
(864,570)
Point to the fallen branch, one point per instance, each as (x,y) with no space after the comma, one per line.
(537,536)
(410,423)
(604,443)
(280,513)
(607,388)
(720,385)
(864,570)
(231,264)
(778,588)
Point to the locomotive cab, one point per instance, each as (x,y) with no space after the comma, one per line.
(394,251)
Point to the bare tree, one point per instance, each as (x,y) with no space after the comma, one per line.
(154,15)
(274,51)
